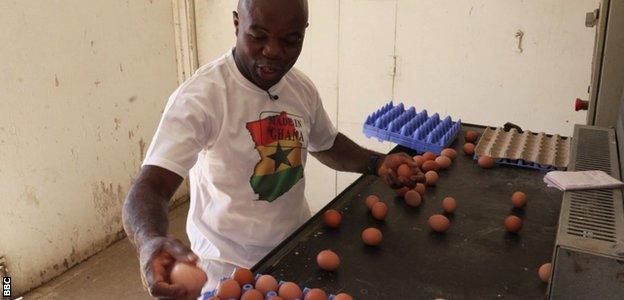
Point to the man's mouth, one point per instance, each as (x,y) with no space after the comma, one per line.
(268,72)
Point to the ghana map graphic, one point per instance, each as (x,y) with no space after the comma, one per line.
(279,141)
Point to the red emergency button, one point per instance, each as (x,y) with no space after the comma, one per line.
(581,104)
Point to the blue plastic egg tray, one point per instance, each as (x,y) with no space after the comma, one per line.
(208,295)
(412,129)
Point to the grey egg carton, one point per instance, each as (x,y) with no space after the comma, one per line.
(527,149)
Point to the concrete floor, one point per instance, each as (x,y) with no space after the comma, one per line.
(110,274)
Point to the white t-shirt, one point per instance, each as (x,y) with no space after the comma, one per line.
(244,154)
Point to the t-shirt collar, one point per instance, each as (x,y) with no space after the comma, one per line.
(274,90)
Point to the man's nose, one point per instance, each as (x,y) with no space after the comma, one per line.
(272,49)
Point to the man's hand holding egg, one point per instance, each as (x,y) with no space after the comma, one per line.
(160,258)
(399,170)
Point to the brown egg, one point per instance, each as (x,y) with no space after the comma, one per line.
(401,192)
(519,199)
(332,218)
(315,294)
(469,148)
(343,296)
(443,161)
(290,291)
(266,283)
(439,223)
(413,198)
(471,136)
(229,288)
(372,236)
(513,224)
(486,162)
(370,200)
(449,204)
(189,276)
(327,260)
(252,294)
(275,298)
(404,171)
(544,272)
(432,178)
(450,153)
(243,276)
(430,165)
(420,188)
(380,210)
(419,160)
(429,155)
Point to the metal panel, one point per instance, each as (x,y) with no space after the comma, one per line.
(620,134)
(580,275)
(593,219)
(597,60)
(590,237)
(593,153)
(608,66)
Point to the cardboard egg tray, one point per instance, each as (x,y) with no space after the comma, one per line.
(528,149)
(412,129)
(268,295)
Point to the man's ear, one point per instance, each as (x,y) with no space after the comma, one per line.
(236,21)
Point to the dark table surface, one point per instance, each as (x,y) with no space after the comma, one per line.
(475,259)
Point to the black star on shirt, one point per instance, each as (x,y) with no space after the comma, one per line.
(280,156)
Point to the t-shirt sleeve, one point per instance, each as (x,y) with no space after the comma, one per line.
(322,131)
(184,130)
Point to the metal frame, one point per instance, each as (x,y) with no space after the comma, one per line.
(589,248)
(597,59)
(608,65)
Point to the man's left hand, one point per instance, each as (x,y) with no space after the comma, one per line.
(388,171)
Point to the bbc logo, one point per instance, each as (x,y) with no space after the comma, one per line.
(6,286)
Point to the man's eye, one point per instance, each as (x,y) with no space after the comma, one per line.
(257,37)
(293,39)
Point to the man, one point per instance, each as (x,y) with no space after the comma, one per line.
(241,128)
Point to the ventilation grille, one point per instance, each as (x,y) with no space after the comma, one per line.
(592,215)
(593,151)
(592,220)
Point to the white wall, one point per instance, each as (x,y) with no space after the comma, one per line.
(462,58)
(82,87)
(365,69)
(458,58)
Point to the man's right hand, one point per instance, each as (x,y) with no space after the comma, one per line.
(388,171)
(157,257)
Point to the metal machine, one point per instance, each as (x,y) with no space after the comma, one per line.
(588,262)
(608,63)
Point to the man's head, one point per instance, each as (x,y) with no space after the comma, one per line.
(269,38)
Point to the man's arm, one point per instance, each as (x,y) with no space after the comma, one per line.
(346,155)
(146,222)
(146,207)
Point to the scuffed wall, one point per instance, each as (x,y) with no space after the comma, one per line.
(82,87)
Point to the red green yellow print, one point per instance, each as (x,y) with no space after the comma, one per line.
(279,141)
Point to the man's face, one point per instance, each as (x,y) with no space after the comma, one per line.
(269,38)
